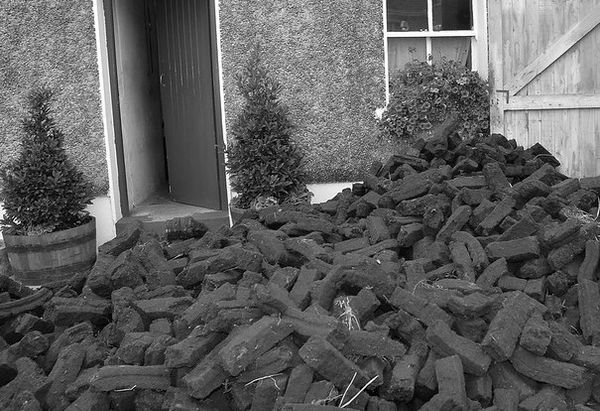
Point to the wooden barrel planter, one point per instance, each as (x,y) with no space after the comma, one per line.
(41,259)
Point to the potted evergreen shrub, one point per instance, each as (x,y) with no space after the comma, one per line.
(48,234)
(264,164)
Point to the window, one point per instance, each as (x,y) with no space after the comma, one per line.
(433,29)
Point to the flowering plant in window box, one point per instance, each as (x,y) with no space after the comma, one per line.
(422,96)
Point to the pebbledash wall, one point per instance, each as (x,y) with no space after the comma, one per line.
(329,58)
(52,42)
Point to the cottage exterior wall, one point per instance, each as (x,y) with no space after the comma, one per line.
(329,57)
(52,42)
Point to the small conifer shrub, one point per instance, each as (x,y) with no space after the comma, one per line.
(42,190)
(262,159)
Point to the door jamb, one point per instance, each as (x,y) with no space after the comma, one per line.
(217,96)
(115,107)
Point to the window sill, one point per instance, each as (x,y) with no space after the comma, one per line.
(432,34)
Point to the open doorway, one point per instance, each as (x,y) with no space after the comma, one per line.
(169,138)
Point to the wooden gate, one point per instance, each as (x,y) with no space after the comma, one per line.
(545,77)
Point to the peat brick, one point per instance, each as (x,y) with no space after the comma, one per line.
(535,268)
(506,399)
(536,288)
(409,234)
(124,240)
(588,356)
(300,292)
(426,384)
(120,377)
(401,383)
(330,363)
(409,187)
(270,244)
(208,374)
(514,250)
(563,255)
(454,223)
(462,261)
(510,283)
(555,234)
(505,329)
(589,310)
(525,227)
(63,373)
(476,251)
(547,370)
(481,212)
(587,270)
(377,229)
(479,388)
(98,279)
(285,277)
(492,273)
(365,343)
(422,309)
(493,219)
(446,342)
(352,244)
(590,183)
(451,379)
(189,351)
(251,342)
(536,335)
(566,187)
(133,347)
(558,283)
(167,307)
(473,181)
(299,383)
(495,178)
(70,311)
(505,376)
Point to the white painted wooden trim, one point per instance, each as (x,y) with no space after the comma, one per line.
(423,34)
(222,99)
(107,117)
(479,44)
(385,53)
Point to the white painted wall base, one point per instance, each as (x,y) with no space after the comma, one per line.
(105,225)
(326,191)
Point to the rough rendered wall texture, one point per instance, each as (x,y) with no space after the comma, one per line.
(52,42)
(329,57)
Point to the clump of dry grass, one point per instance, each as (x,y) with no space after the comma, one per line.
(348,316)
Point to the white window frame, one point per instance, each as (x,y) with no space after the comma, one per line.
(478,35)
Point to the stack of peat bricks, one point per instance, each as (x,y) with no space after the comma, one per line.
(457,276)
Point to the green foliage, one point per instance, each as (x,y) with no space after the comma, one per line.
(42,190)
(262,159)
(423,95)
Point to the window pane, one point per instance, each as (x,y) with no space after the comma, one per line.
(404,50)
(406,15)
(452,48)
(452,15)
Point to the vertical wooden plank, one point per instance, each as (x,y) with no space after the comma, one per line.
(535,127)
(588,119)
(496,69)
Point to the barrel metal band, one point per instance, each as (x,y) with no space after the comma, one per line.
(24,248)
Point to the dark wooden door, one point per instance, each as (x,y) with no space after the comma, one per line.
(188,103)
